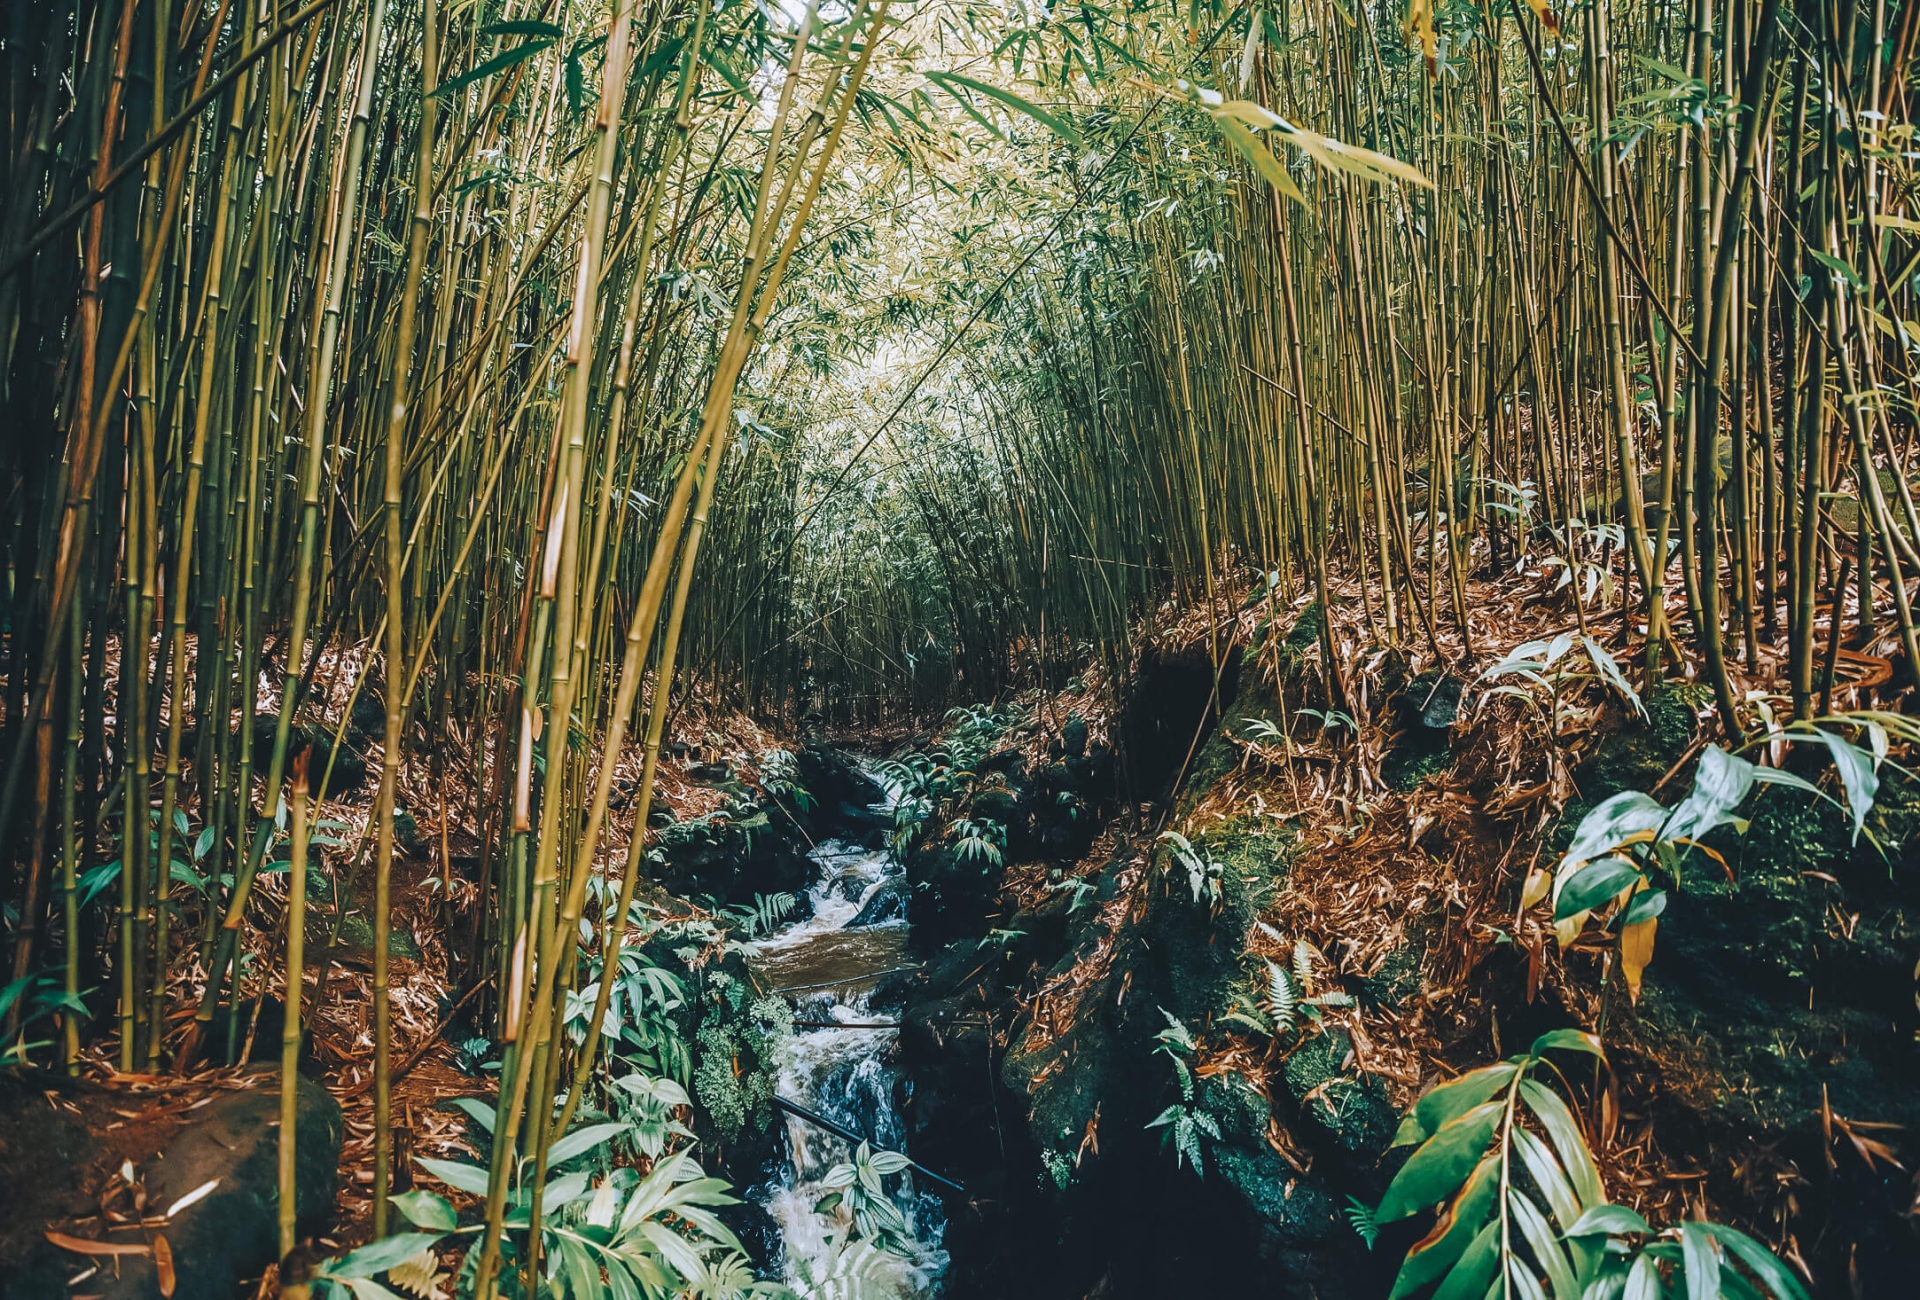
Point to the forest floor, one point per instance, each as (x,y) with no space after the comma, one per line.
(1396,834)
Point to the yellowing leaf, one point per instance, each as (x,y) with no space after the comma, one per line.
(1544,13)
(1636,950)
(1420,31)
(1262,159)
(1539,880)
(1567,928)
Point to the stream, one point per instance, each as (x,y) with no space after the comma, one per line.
(830,968)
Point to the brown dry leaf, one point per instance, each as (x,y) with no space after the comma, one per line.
(81,1246)
(163,1265)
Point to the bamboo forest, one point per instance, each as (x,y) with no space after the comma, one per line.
(970,649)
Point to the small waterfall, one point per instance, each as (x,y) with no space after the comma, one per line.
(845,1075)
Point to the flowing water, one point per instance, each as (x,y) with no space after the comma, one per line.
(846,1075)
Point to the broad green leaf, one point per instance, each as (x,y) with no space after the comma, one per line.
(1546,1246)
(1701,1265)
(1452,1233)
(1568,1141)
(1592,885)
(425,1210)
(1441,1105)
(1783,1284)
(382,1255)
(481,1113)
(1643,1282)
(1857,775)
(1567,1040)
(1614,1220)
(1441,1164)
(1720,783)
(471,1179)
(581,1141)
(1477,1266)
(889,1162)
(1547,1176)
(1611,824)
(1645,906)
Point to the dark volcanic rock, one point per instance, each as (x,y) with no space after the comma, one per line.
(887,903)
(230,1235)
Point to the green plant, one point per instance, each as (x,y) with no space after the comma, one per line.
(764,915)
(741,1044)
(645,1103)
(1630,842)
(981,839)
(36,996)
(1185,1122)
(1203,872)
(1552,680)
(1526,1216)
(780,776)
(604,1236)
(857,1185)
(1360,1217)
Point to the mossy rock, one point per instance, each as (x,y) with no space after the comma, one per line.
(356,935)
(1398,977)
(1353,1109)
(1305,633)
(1406,765)
(1789,986)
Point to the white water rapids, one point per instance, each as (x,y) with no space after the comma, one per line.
(847,1076)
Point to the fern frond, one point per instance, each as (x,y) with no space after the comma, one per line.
(419,1276)
(1282,1000)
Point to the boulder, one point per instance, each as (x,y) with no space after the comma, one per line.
(887,903)
(229,1235)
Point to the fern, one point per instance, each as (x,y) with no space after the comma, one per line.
(1282,1001)
(1303,955)
(1360,1215)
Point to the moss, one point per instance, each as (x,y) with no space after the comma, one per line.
(1406,766)
(356,932)
(1398,977)
(1352,1108)
(1306,629)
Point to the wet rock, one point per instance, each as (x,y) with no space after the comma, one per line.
(847,885)
(888,902)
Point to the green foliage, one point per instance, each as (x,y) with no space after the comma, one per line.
(1523,1214)
(1203,872)
(1628,847)
(1186,1124)
(628,1235)
(765,914)
(858,1185)
(780,776)
(741,1045)
(980,839)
